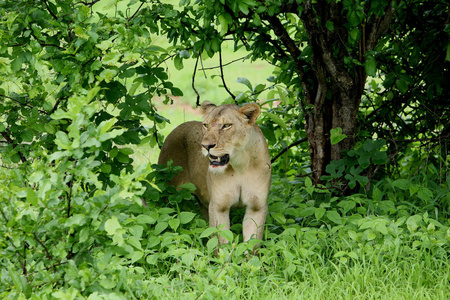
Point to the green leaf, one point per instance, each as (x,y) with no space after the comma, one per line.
(245,82)
(62,140)
(16,64)
(178,63)
(112,225)
(160,227)
(402,85)
(277,120)
(137,255)
(402,184)
(226,234)
(334,216)
(370,66)
(208,232)
(188,258)
(212,244)
(106,125)
(329,25)
(336,135)
(174,224)
(380,158)
(32,196)
(186,217)
(134,241)
(347,205)
(84,234)
(425,194)
(413,223)
(319,212)
(280,218)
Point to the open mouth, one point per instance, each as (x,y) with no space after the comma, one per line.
(216,161)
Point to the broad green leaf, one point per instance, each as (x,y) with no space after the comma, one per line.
(106,125)
(16,64)
(145,219)
(77,219)
(413,223)
(334,216)
(111,225)
(208,231)
(137,255)
(134,241)
(226,234)
(212,244)
(370,66)
(174,224)
(152,259)
(188,186)
(319,212)
(329,25)
(336,135)
(280,218)
(402,184)
(380,158)
(62,140)
(277,120)
(425,194)
(245,82)
(160,227)
(188,258)
(84,234)
(32,196)
(347,205)
(178,63)
(186,217)
(223,21)
(402,85)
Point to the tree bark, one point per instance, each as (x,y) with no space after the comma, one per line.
(338,89)
(329,86)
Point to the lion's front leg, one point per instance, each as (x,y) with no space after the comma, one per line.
(219,214)
(255,219)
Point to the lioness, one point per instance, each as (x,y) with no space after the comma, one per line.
(227,159)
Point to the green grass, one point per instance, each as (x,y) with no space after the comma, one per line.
(268,277)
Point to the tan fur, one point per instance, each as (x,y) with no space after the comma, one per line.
(228,131)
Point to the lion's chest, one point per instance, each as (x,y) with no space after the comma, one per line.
(236,190)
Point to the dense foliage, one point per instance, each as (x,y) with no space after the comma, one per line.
(79,78)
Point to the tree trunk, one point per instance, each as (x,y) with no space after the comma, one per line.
(337,90)
(332,88)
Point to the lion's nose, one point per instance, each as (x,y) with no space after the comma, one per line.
(208,146)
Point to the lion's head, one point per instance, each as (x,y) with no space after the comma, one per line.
(226,132)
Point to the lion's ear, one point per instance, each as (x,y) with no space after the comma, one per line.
(251,112)
(207,106)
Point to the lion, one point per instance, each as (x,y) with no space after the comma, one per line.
(227,159)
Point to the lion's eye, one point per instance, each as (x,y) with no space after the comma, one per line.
(226,126)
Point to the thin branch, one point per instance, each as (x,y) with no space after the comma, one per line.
(288,147)
(440,137)
(88,3)
(223,78)
(135,13)
(26,104)
(49,256)
(14,145)
(193,80)
(50,11)
(293,50)
(224,65)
